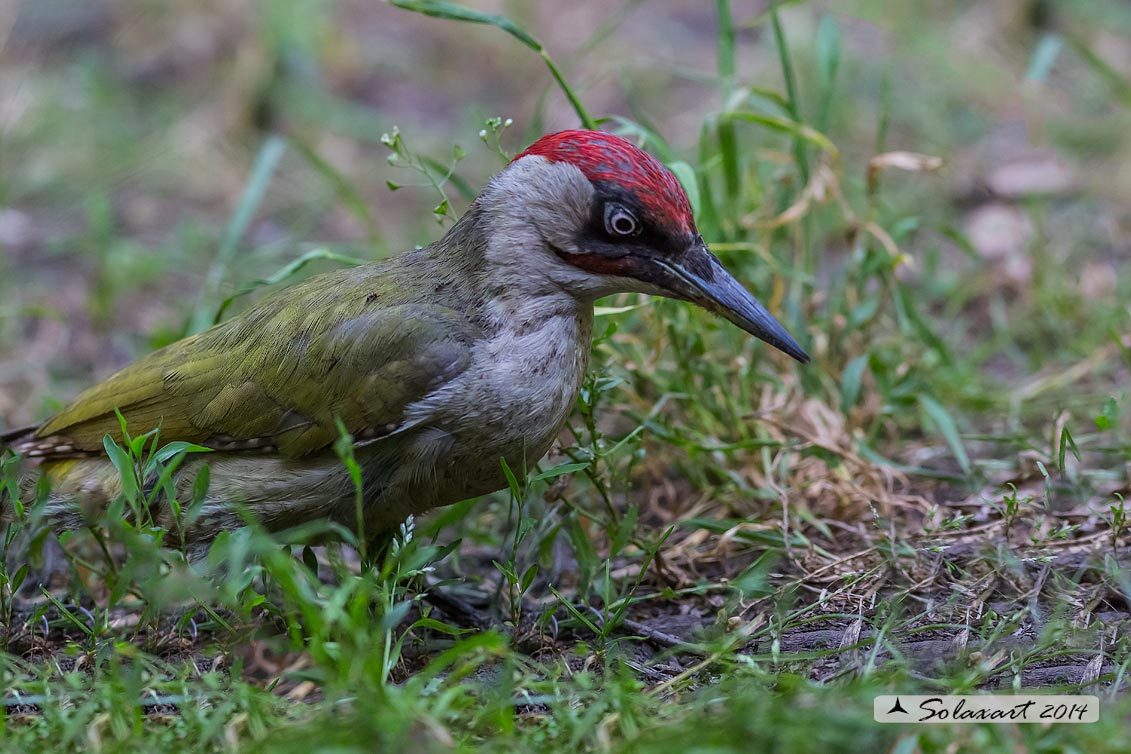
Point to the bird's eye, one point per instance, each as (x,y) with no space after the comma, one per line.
(620,222)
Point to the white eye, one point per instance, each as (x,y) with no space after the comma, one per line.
(620,222)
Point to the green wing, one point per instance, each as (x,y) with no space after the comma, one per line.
(274,378)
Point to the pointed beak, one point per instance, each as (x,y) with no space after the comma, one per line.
(700,278)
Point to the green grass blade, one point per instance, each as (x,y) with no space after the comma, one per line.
(799,151)
(850,382)
(796,129)
(764,94)
(946,425)
(454,12)
(345,190)
(1119,83)
(123,464)
(269,155)
(828,63)
(728,142)
(686,175)
(644,135)
(286,272)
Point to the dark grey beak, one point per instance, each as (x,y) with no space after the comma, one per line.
(700,278)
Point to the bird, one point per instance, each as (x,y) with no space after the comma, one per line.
(438,362)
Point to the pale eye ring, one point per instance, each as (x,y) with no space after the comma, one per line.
(620,222)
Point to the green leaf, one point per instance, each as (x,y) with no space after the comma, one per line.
(124,465)
(828,49)
(784,58)
(909,307)
(453,12)
(625,529)
(528,577)
(18,578)
(178,446)
(850,382)
(755,94)
(577,614)
(565,468)
(440,627)
(607,311)
(863,312)
(1048,484)
(122,425)
(785,125)
(945,424)
(754,581)
(393,617)
(507,569)
(137,444)
(42,491)
(828,62)
(1066,442)
(1110,415)
(512,480)
(70,616)
(686,175)
(643,135)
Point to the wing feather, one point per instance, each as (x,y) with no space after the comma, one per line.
(261,380)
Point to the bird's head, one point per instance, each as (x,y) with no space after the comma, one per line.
(608,217)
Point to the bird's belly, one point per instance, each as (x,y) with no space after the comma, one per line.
(465,460)
(510,406)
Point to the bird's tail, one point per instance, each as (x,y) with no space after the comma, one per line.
(11,439)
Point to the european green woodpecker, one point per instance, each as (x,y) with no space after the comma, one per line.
(439,362)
